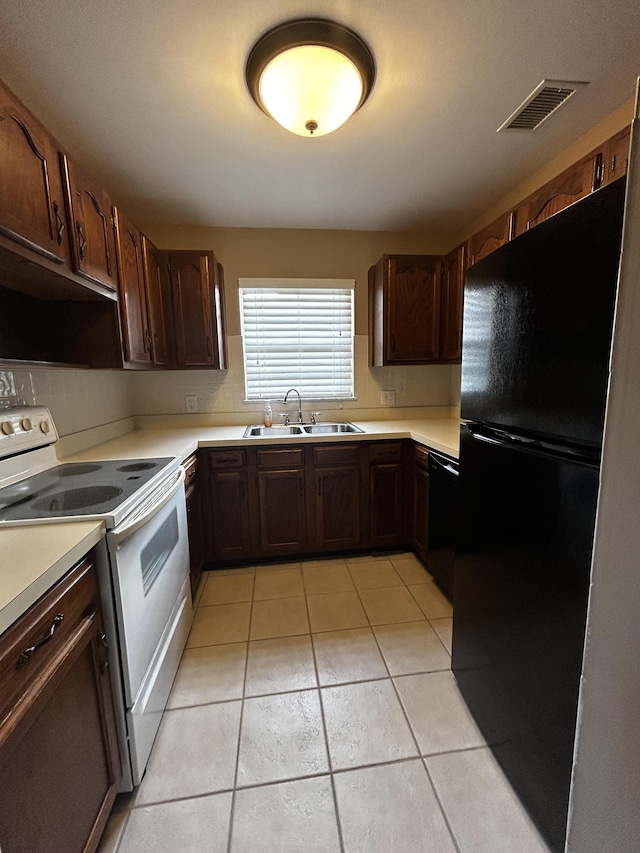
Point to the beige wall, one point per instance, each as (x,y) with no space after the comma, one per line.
(582,146)
(282,253)
(81,399)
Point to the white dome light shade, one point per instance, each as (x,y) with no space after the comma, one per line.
(311,90)
(310,75)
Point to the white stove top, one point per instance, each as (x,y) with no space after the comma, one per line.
(35,488)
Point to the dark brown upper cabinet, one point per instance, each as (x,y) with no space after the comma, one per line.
(93,246)
(159,307)
(32,211)
(132,303)
(198,309)
(404,310)
(451,306)
(617,157)
(490,238)
(220,315)
(569,186)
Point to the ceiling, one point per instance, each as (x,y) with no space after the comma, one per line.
(150,97)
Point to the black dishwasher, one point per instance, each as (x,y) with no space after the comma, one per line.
(443,490)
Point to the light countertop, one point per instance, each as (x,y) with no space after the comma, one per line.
(437,433)
(34,557)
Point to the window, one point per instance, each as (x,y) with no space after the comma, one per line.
(297,333)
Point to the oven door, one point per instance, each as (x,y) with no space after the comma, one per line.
(149,555)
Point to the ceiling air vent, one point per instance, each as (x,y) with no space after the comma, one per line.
(541,103)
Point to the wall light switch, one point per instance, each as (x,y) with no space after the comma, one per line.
(192,402)
(387,398)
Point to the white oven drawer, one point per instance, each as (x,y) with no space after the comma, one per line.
(149,567)
(144,718)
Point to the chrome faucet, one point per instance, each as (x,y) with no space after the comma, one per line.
(299,402)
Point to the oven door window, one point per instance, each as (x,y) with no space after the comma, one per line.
(157,551)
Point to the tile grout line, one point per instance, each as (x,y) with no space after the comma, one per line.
(244,683)
(414,736)
(324,723)
(442,809)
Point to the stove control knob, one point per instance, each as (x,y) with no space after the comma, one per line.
(7,428)
(26,424)
(45,427)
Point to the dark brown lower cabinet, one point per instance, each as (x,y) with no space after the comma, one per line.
(421,503)
(277,501)
(231,527)
(59,765)
(282,512)
(387,499)
(194,523)
(337,509)
(335,496)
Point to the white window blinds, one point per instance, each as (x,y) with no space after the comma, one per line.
(297,333)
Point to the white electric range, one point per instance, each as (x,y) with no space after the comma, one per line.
(143,564)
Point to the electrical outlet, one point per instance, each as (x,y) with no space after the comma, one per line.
(387,398)
(192,402)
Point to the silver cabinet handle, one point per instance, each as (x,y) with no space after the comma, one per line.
(27,654)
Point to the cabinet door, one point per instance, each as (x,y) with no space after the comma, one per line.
(451,308)
(229,500)
(220,317)
(59,766)
(31,197)
(158,293)
(387,504)
(571,185)
(93,247)
(191,287)
(282,512)
(412,309)
(490,238)
(132,303)
(421,512)
(337,508)
(618,155)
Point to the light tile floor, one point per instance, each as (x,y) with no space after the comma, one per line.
(315,712)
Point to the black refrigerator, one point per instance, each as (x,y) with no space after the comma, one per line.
(538,316)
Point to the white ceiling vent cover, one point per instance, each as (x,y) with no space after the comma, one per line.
(541,103)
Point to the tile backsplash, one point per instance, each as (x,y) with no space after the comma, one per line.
(77,399)
(83,399)
(219,391)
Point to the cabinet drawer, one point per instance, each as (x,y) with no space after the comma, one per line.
(422,457)
(227,458)
(190,469)
(386,451)
(335,454)
(281,457)
(34,640)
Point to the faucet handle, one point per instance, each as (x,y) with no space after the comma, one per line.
(284,415)
(314,415)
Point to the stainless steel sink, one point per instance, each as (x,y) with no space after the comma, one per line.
(258,431)
(326,429)
(272,432)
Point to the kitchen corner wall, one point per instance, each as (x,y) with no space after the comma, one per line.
(83,399)
(78,399)
(290,253)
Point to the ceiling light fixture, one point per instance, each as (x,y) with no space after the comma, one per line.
(310,75)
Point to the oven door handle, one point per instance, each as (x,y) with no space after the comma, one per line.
(153,507)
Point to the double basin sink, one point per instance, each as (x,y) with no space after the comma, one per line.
(300,430)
